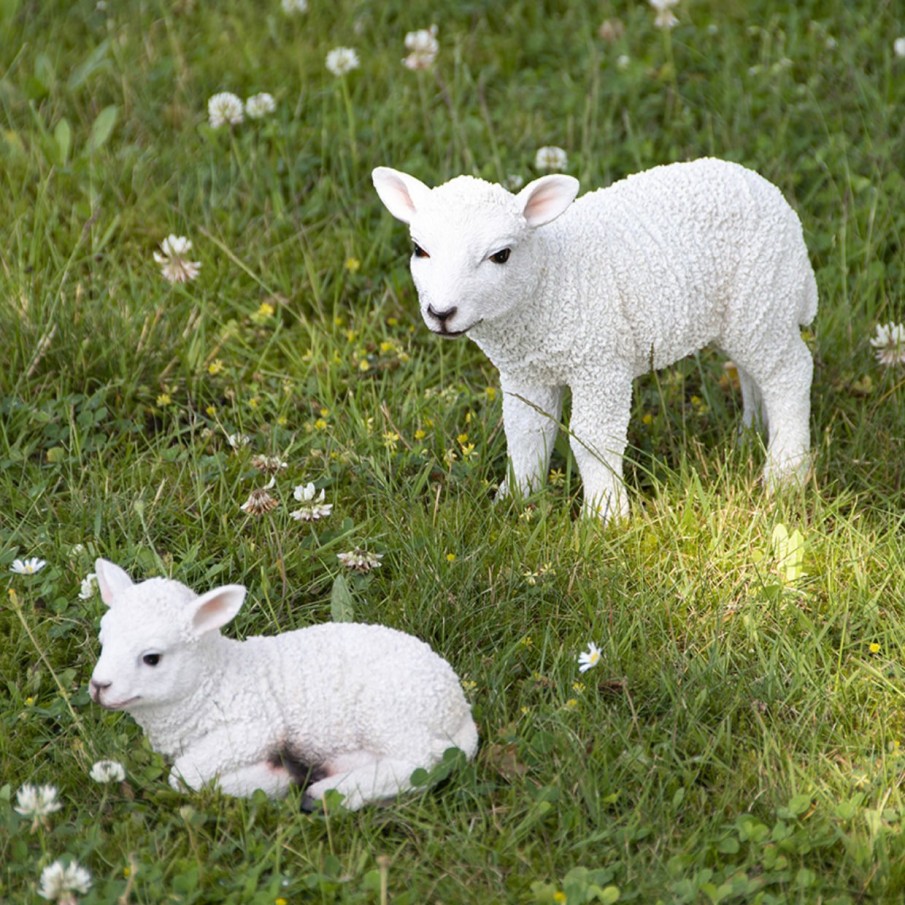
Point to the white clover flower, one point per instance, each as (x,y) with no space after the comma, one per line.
(27,566)
(513,182)
(173,260)
(260,105)
(341,60)
(890,344)
(665,18)
(315,508)
(294,6)
(238,441)
(105,771)
(623,61)
(60,883)
(551,158)
(589,658)
(224,109)
(271,465)
(423,48)
(898,47)
(38,803)
(89,583)
(259,502)
(360,560)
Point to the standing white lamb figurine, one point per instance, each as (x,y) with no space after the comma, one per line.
(590,295)
(345,706)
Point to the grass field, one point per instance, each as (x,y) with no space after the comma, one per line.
(742,739)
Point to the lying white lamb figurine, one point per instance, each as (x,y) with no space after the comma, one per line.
(344,706)
(590,295)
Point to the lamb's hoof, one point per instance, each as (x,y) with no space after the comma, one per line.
(310,804)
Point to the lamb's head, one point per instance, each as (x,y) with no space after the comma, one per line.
(155,636)
(473,257)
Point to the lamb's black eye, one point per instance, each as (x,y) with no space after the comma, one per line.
(418,251)
(151,659)
(502,256)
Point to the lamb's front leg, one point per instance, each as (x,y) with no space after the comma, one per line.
(599,434)
(531,419)
(268,775)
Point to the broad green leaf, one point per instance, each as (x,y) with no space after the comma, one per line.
(96,59)
(63,136)
(788,550)
(101,128)
(342,604)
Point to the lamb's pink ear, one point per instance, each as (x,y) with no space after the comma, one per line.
(215,608)
(546,198)
(111,580)
(402,194)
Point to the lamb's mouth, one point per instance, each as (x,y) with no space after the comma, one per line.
(455,334)
(118,705)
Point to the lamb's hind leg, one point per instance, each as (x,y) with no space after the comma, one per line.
(752,412)
(362,777)
(784,385)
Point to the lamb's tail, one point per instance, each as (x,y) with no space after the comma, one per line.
(466,736)
(808,299)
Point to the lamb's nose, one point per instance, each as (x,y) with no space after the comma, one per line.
(442,316)
(95,688)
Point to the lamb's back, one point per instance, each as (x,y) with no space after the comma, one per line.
(358,683)
(667,255)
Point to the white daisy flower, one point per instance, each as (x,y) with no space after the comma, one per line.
(37,802)
(294,6)
(315,508)
(890,344)
(260,105)
(173,260)
(224,109)
(27,566)
(423,48)
(589,658)
(360,560)
(665,18)
(60,883)
(89,583)
(551,158)
(341,60)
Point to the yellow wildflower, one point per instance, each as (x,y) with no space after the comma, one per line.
(353,265)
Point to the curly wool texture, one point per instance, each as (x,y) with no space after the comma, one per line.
(596,292)
(348,706)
